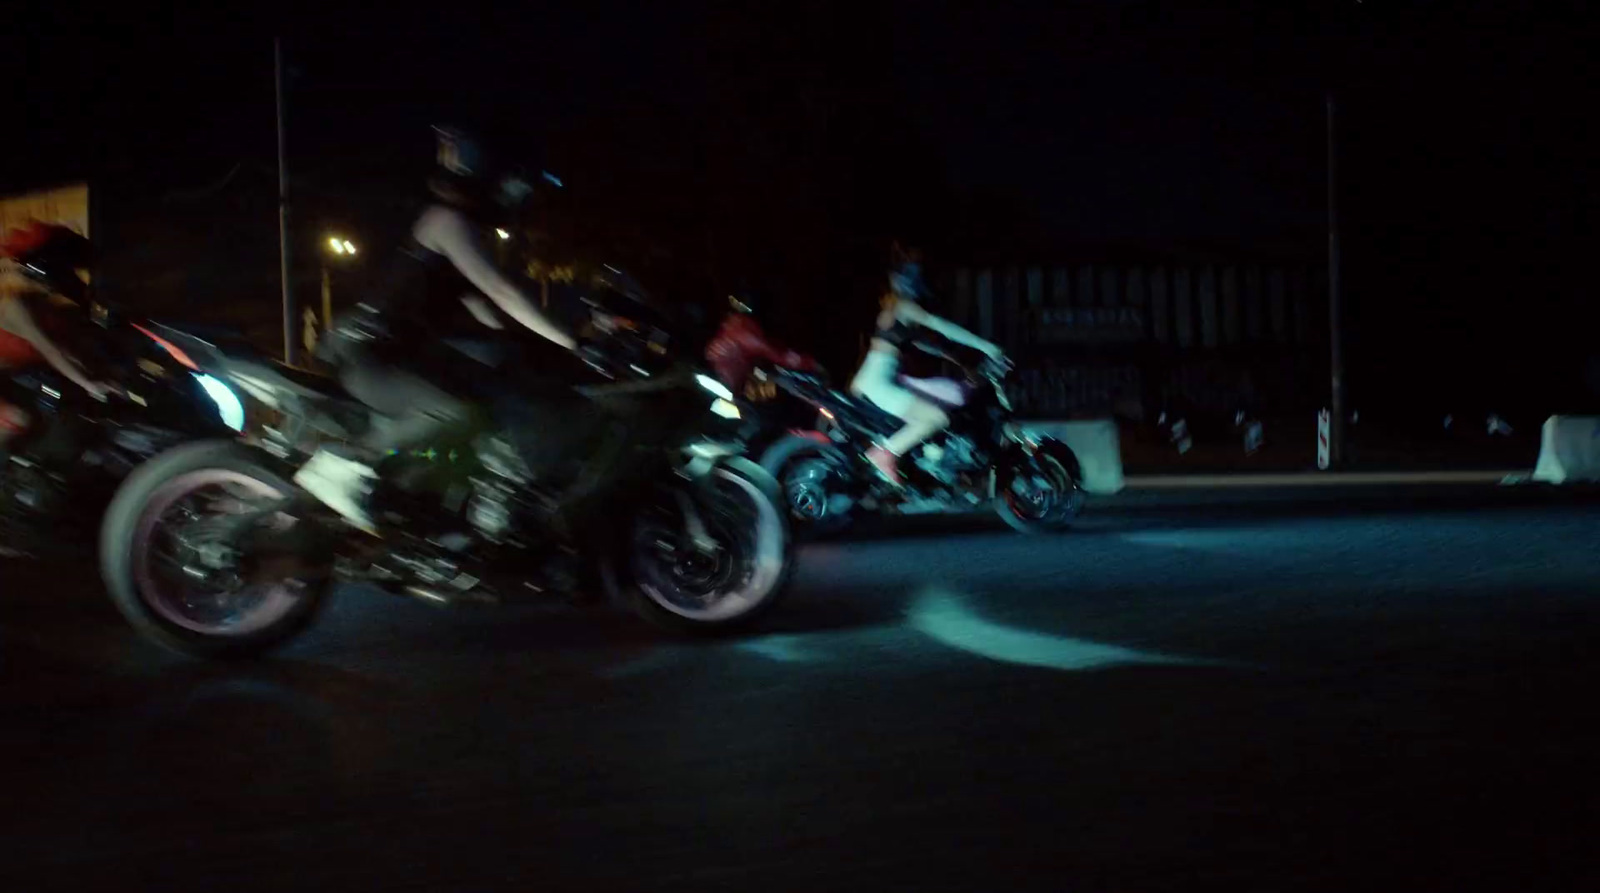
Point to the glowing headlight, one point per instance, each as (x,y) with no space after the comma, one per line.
(724,408)
(227,401)
(714,386)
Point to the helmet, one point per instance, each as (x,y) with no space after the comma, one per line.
(465,174)
(459,171)
(905,273)
(458,153)
(51,255)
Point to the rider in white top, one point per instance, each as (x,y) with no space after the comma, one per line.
(459,291)
(877,379)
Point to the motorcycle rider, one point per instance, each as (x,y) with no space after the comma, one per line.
(42,284)
(741,344)
(448,296)
(876,380)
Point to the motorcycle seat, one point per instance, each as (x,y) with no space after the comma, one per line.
(859,412)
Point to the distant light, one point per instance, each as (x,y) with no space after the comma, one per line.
(502,234)
(349,248)
(552,179)
(336,244)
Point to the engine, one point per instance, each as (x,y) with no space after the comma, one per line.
(947,460)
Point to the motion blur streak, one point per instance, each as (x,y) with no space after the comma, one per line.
(940,615)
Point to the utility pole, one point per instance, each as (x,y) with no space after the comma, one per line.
(1335,303)
(283,211)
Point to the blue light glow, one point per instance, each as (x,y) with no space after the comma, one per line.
(227,401)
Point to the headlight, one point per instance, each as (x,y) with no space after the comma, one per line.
(714,386)
(228,405)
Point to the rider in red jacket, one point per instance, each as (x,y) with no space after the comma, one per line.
(740,344)
(40,286)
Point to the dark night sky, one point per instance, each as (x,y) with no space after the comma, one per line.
(781,145)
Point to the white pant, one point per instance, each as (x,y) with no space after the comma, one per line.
(875,380)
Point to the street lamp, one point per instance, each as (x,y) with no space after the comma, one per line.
(502,234)
(341,247)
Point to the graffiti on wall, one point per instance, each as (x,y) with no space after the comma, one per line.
(1140,391)
(1064,390)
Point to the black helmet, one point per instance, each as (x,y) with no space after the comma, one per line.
(465,173)
(905,273)
(459,171)
(51,255)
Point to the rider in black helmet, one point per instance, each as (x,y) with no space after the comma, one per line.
(448,292)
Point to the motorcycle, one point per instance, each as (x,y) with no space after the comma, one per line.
(78,450)
(209,549)
(984,457)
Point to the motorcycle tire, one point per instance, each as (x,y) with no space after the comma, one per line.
(129,527)
(1068,477)
(814,520)
(631,576)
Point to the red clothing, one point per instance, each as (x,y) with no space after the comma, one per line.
(740,344)
(16,351)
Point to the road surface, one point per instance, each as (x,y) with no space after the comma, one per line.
(1272,697)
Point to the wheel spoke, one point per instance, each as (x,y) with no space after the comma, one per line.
(186,568)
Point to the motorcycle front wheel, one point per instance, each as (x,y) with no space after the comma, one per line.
(725,578)
(172,565)
(1039,493)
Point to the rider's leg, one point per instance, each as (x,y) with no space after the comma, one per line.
(922,420)
(412,412)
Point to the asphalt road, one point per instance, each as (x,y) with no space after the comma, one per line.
(1274,697)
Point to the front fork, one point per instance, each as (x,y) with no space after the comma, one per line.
(700,461)
(1011,432)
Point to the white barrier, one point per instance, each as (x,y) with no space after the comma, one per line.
(1569,450)
(1097,446)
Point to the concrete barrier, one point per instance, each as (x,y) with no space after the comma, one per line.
(1097,445)
(1569,450)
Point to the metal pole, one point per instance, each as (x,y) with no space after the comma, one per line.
(327,300)
(283,211)
(1335,303)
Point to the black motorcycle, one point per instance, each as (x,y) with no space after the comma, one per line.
(983,458)
(210,550)
(59,475)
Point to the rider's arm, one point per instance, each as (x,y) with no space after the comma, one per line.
(18,320)
(449,234)
(764,348)
(914,314)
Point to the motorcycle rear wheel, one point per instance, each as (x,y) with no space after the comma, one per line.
(185,611)
(815,480)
